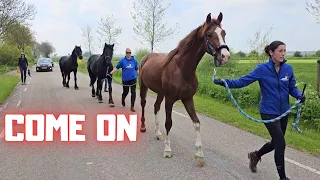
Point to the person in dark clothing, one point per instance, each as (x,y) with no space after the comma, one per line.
(23,66)
(277,82)
(130,71)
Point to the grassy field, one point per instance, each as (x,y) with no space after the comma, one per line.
(7,84)
(213,101)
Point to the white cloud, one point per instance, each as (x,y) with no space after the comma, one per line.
(59,21)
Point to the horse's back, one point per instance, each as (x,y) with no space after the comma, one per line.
(156,58)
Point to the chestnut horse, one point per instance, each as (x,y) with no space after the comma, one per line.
(173,76)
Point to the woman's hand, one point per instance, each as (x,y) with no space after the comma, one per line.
(219,82)
(302,98)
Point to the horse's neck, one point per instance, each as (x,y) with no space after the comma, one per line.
(74,57)
(190,58)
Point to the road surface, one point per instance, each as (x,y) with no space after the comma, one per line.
(225,147)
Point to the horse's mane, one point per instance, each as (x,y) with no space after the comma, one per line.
(184,45)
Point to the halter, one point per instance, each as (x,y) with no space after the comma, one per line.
(213,51)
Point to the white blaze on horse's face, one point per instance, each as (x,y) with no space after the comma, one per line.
(225,54)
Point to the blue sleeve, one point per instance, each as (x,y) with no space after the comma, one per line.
(293,90)
(119,65)
(245,80)
(136,67)
(27,62)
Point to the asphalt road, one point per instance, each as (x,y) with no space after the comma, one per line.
(225,147)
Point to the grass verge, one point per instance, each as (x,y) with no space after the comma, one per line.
(308,141)
(7,84)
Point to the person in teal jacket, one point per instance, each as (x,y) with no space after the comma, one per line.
(130,72)
(277,82)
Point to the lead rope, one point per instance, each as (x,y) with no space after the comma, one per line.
(296,104)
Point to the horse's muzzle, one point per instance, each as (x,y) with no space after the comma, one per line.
(80,57)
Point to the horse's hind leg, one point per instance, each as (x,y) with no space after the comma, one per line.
(143,95)
(168,105)
(189,105)
(157,106)
(63,79)
(111,103)
(67,76)
(75,79)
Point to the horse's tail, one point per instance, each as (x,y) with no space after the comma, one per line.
(143,60)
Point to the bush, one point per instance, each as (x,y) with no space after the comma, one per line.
(9,55)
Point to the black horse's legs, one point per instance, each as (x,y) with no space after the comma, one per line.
(63,79)
(75,80)
(68,76)
(99,89)
(109,79)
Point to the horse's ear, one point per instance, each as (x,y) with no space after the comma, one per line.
(220,17)
(112,45)
(208,18)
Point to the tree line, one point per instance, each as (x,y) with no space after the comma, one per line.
(149,26)
(16,34)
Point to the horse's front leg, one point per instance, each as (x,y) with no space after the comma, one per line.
(68,76)
(168,106)
(75,80)
(109,80)
(189,105)
(99,89)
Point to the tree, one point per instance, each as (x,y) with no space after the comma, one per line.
(258,43)
(314,9)
(46,48)
(14,11)
(148,22)
(19,35)
(36,49)
(107,30)
(297,54)
(87,34)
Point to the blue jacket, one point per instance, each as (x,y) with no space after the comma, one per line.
(23,63)
(129,68)
(275,88)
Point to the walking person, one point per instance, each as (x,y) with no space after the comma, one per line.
(23,66)
(277,81)
(130,71)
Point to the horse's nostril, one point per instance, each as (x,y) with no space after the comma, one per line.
(223,56)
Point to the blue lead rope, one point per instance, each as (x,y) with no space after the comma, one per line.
(296,104)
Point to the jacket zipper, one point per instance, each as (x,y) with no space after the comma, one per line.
(278,85)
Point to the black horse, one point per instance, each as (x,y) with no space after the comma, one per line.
(69,64)
(98,67)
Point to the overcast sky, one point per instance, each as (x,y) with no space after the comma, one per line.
(59,22)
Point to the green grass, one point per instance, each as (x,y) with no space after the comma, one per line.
(291,61)
(225,111)
(7,85)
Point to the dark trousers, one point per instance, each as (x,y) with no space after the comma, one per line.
(277,132)
(23,72)
(132,85)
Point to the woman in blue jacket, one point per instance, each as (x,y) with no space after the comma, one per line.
(277,82)
(130,72)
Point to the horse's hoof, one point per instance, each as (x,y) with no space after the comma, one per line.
(167,154)
(93,95)
(200,161)
(160,137)
(143,129)
(111,104)
(76,88)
